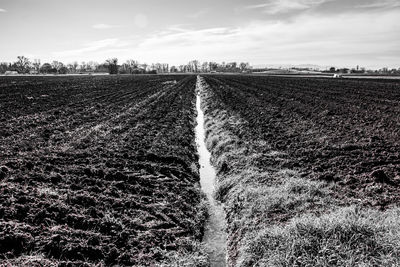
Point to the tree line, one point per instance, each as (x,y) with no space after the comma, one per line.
(24,65)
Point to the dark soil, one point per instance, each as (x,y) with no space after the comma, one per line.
(345,131)
(97,169)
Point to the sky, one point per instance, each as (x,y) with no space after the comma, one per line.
(341,33)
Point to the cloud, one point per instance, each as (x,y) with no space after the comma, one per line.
(180,35)
(112,43)
(342,39)
(197,14)
(285,6)
(371,39)
(102,26)
(2,10)
(141,21)
(287,9)
(380,4)
(176,28)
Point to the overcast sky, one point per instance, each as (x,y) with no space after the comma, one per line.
(324,32)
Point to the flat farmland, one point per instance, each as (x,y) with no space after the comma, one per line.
(97,169)
(104,170)
(342,131)
(308,168)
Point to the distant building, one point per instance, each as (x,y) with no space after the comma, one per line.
(11,72)
(139,70)
(344,70)
(33,72)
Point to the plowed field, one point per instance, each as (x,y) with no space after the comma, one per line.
(104,170)
(308,168)
(342,131)
(97,169)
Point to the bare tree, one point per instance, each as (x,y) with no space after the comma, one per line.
(244,66)
(124,68)
(129,66)
(70,68)
(112,65)
(193,66)
(158,67)
(75,64)
(204,67)
(4,66)
(91,65)
(165,67)
(213,66)
(144,66)
(82,66)
(22,64)
(231,66)
(36,64)
(196,65)
(57,65)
